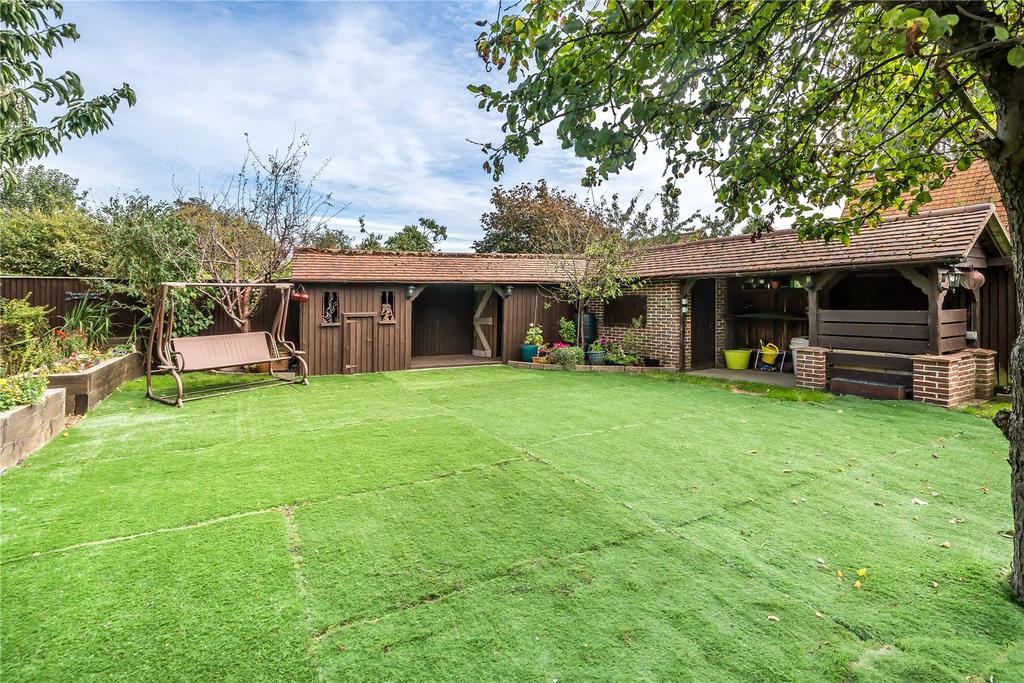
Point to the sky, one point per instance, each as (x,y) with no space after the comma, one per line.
(379,88)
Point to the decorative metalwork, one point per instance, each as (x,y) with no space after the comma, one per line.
(387,306)
(330,313)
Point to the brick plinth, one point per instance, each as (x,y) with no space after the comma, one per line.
(810,368)
(984,373)
(659,338)
(945,381)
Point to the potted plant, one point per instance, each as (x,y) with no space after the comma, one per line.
(597,352)
(532,343)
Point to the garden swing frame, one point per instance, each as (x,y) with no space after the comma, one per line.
(167,354)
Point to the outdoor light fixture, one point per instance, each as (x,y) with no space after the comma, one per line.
(508,290)
(951,280)
(684,306)
(409,291)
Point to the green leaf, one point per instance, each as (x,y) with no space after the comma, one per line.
(1002,33)
(1016,57)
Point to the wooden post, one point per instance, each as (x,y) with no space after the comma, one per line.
(935,298)
(812,316)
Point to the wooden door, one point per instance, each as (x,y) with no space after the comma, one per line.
(359,343)
(702,325)
(484,326)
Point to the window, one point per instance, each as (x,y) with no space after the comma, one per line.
(624,309)
(387,306)
(330,315)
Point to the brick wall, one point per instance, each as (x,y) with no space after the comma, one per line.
(687,360)
(945,381)
(721,320)
(660,335)
(810,368)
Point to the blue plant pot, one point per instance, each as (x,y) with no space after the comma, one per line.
(527,352)
(595,357)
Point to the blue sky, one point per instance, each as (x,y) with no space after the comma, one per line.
(379,87)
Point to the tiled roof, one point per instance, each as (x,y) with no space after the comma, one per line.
(944,235)
(964,188)
(312,265)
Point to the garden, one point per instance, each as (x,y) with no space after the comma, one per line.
(491,524)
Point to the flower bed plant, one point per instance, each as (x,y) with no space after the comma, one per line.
(23,389)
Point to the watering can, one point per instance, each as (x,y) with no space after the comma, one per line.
(769,352)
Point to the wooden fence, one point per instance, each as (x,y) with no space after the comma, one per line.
(62,294)
(903,332)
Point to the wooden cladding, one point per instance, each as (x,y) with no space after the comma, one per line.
(360,342)
(904,332)
(998,325)
(623,310)
(870,367)
(442,321)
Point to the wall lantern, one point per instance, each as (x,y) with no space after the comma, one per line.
(953,278)
(409,291)
(508,290)
(684,306)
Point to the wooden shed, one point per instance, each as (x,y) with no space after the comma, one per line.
(381,311)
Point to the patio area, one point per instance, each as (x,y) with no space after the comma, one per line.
(778,379)
(496,524)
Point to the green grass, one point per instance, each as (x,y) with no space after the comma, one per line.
(495,524)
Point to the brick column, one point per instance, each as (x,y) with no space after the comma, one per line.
(946,380)
(810,368)
(721,319)
(984,373)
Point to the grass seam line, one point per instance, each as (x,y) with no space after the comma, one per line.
(509,571)
(294,550)
(248,513)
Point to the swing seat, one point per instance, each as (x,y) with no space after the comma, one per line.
(220,351)
(176,355)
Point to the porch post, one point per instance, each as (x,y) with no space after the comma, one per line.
(935,298)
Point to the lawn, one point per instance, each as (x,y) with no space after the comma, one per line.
(491,523)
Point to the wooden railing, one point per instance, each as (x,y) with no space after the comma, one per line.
(904,332)
(885,331)
(952,330)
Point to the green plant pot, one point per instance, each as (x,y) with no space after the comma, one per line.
(595,357)
(527,352)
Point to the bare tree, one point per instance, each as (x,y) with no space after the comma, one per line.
(248,231)
(594,259)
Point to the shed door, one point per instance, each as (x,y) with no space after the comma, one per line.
(359,344)
(702,325)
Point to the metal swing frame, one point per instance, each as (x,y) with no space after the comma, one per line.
(167,354)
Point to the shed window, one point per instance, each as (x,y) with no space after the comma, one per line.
(330,315)
(387,306)
(624,309)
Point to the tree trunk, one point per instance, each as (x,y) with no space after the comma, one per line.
(1010,178)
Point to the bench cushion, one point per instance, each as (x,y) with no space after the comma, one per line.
(224,350)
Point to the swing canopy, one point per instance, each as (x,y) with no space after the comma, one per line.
(168,354)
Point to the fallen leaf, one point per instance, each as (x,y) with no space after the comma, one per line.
(944,544)
(857,584)
(786,471)
(957,520)
(918,501)
(839,573)
(819,614)
(983,489)
(821,560)
(879,504)
(772,617)
(935,584)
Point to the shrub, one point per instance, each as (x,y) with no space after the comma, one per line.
(94,320)
(25,339)
(67,242)
(534,335)
(568,356)
(631,340)
(567,330)
(24,389)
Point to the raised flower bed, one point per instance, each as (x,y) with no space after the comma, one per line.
(87,387)
(25,428)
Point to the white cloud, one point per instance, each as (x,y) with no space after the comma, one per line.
(380,89)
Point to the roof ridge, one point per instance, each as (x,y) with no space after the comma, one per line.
(427,254)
